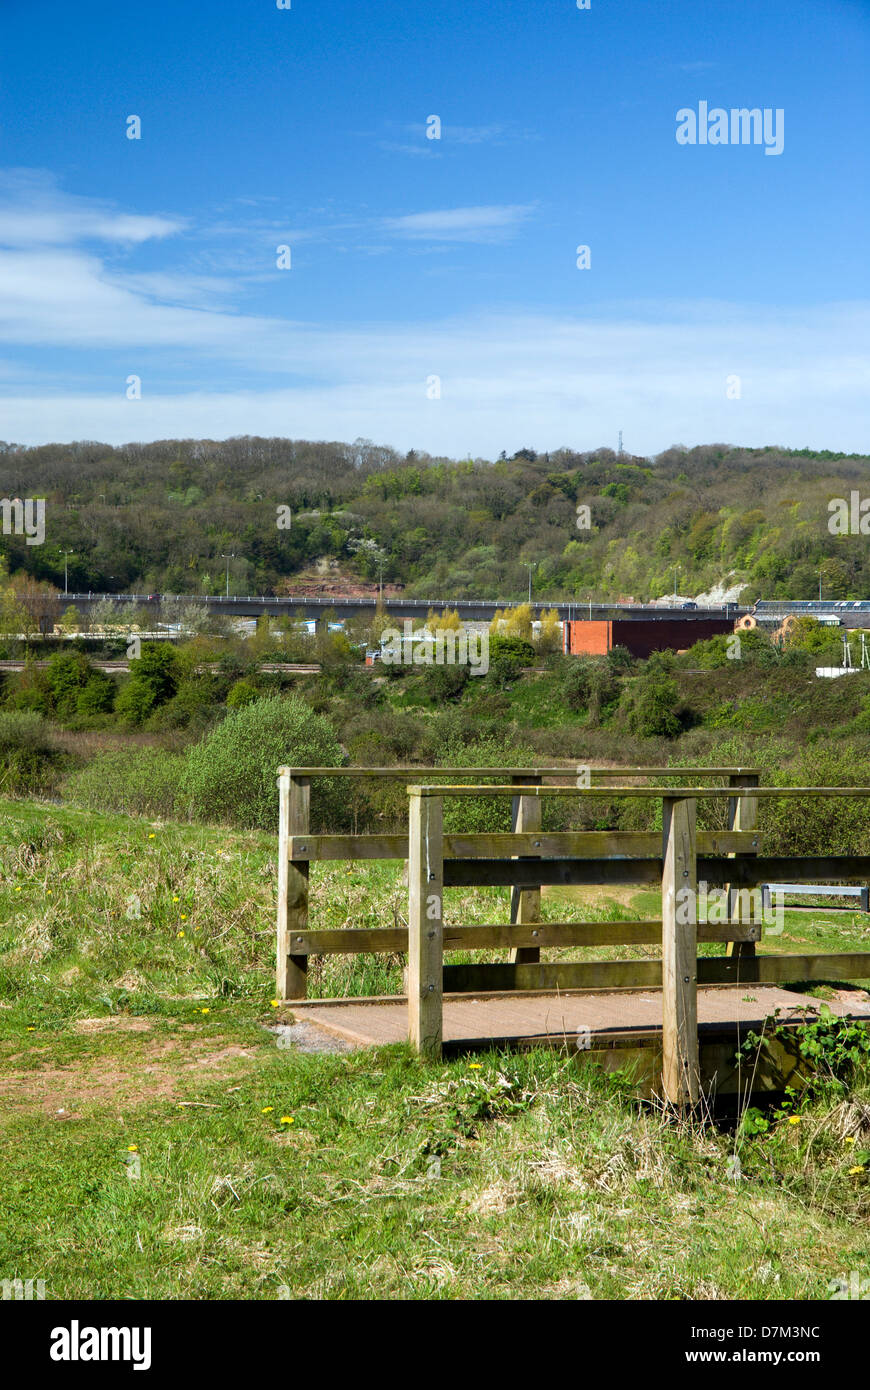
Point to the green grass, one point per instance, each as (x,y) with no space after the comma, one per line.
(265,1173)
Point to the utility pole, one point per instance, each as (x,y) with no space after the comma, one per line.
(677,569)
(231,556)
(530,565)
(619,450)
(66,555)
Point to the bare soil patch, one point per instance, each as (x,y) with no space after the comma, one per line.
(161,1070)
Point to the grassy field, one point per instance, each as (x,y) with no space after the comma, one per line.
(157,1142)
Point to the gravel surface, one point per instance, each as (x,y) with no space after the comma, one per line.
(309,1037)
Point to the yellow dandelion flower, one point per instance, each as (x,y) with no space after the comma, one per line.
(184,916)
(794,1119)
(859,1168)
(286,1119)
(181,933)
(267,1109)
(152,836)
(274,1003)
(849,1139)
(132,1148)
(176,898)
(49,891)
(31,1029)
(18,890)
(475,1066)
(204,1011)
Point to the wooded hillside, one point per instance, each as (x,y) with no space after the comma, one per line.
(159,517)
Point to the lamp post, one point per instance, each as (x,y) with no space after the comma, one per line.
(677,569)
(66,555)
(530,565)
(231,556)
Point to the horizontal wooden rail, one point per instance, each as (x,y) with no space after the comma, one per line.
(580,844)
(354,941)
(800,868)
(647,974)
(740,873)
(641,793)
(568,770)
(532,873)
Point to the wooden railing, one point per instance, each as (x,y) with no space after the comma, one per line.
(684,857)
(527,858)
(525,935)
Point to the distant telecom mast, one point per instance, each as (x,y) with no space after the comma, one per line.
(619,448)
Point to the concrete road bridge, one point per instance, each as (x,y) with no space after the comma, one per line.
(305,607)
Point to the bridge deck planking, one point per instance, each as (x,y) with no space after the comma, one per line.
(476,1021)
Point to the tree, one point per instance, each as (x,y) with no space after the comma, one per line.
(69,621)
(231,775)
(154,678)
(513,622)
(37,603)
(650,702)
(550,635)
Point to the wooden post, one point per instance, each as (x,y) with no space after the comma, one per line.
(425,923)
(294,801)
(679,951)
(526,902)
(742,815)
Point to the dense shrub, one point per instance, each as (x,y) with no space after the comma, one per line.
(154,679)
(485,814)
(592,684)
(29,757)
(96,697)
(141,781)
(649,702)
(507,658)
(445,682)
(230,776)
(195,704)
(242,693)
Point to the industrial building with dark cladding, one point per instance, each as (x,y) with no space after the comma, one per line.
(641,635)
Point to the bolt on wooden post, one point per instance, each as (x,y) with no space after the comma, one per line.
(425,922)
(679,952)
(526,902)
(294,803)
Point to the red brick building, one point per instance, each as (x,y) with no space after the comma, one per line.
(597,636)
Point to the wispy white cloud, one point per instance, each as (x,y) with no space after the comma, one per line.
(35,212)
(548,380)
(659,371)
(461,224)
(415,141)
(495,134)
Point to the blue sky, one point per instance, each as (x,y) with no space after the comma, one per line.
(415,259)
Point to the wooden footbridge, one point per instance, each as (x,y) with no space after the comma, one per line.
(678,1017)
